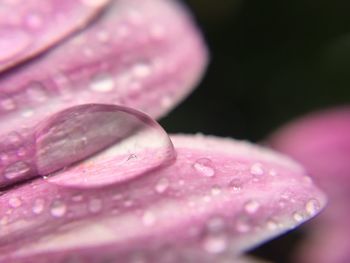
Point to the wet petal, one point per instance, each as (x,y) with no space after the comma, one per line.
(130,56)
(220,197)
(32,26)
(321,142)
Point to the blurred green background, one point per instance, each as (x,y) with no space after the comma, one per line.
(271,61)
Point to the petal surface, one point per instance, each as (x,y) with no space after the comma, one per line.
(29,27)
(321,142)
(220,197)
(144,54)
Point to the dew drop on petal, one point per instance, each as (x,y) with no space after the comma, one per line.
(162,185)
(298,217)
(204,167)
(256,169)
(103,137)
(95,205)
(102,83)
(312,207)
(58,209)
(15,202)
(38,206)
(148,218)
(215,243)
(251,207)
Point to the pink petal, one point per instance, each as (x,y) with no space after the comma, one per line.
(321,142)
(220,197)
(145,54)
(32,26)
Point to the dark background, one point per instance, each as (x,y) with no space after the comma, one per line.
(271,61)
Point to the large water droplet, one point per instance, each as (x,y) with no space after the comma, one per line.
(58,209)
(205,167)
(312,207)
(139,145)
(13,41)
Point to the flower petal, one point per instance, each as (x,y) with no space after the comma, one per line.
(29,27)
(321,142)
(131,56)
(219,197)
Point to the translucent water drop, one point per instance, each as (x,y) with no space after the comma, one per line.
(236,185)
(215,190)
(38,206)
(243,225)
(58,209)
(251,207)
(7,104)
(312,207)
(102,83)
(215,243)
(298,217)
(16,170)
(13,41)
(15,202)
(205,167)
(215,225)
(36,92)
(142,70)
(110,135)
(162,185)
(256,169)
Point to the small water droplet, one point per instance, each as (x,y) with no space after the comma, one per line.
(4,221)
(215,243)
(95,205)
(215,190)
(102,83)
(256,169)
(142,70)
(128,203)
(243,225)
(16,170)
(13,41)
(148,218)
(15,202)
(58,209)
(103,36)
(271,225)
(251,207)
(162,185)
(236,185)
(215,225)
(77,198)
(205,167)
(273,172)
(27,113)
(298,217)
(38,206)
(312,207)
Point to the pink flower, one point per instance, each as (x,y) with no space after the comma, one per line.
(86,177)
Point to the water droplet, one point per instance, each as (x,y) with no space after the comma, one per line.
(15,202)
(251,207)
(215,243)
(16,170)
(58,209)
(215,190)
(7,104)
(256,169)
(162,185)
(148,218)
(13,41)
(77,198)
(215,225)
(95,205)
(102,83)
(271,225)
(142,70)
(84,133)
(38,206)
(103,36)
(205,167)
(36,92)
(27,113)
(298,217)
(312,207)
(273,172)
(4,221)
(236,185)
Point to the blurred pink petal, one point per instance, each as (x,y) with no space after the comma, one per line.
(145,54)
(220,197)
(321,142)
(32,26)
